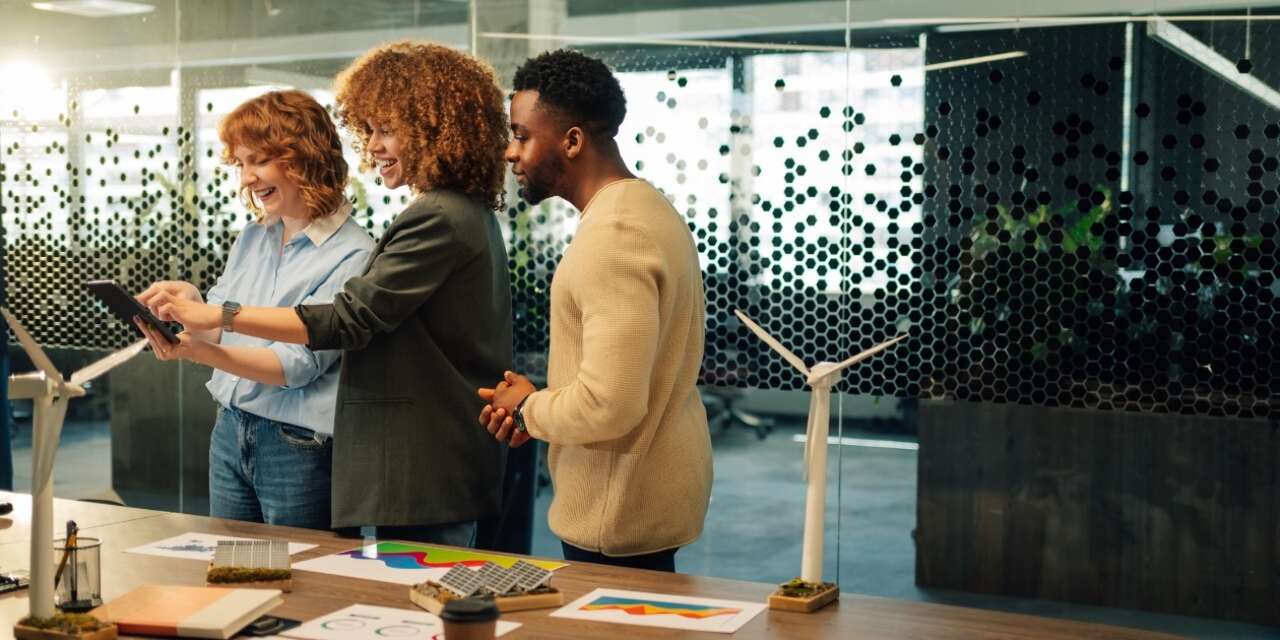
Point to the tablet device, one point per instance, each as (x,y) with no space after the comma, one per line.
(125,307)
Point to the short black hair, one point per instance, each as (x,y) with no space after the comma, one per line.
(579,86)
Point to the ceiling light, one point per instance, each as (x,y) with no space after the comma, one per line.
(94,8)
(1209,59)
(995,57)
(39,99)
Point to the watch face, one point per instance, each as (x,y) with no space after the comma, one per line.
(229,311)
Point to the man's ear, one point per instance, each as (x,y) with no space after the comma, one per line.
(574,141)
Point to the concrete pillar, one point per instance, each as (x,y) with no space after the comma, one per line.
(506,32)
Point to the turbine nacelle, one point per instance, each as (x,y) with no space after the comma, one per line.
(38,384)
(824,373)
(33,384)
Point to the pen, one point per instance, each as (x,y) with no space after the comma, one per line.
(68,545)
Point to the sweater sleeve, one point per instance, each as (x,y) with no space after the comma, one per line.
(617,294)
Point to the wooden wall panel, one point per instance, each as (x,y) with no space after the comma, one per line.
(1174,514)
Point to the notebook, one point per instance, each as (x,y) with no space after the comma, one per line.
(188,612)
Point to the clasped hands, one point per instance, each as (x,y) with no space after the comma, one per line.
(502,402)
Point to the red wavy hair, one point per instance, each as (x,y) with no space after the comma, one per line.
(291,128)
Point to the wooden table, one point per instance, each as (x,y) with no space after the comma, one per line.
(16,527)
(315,594)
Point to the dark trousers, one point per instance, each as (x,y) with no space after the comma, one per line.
(454,534)
(657,561)
(512,530)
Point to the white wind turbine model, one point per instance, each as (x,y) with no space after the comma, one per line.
(49,394)
(820,378)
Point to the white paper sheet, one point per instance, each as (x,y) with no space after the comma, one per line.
(661,610)
(198,546)
(364,622)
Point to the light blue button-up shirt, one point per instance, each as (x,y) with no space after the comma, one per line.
(309,269)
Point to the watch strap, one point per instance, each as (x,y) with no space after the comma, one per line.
(517,416)
(229,311)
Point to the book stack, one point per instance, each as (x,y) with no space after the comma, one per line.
(187,612)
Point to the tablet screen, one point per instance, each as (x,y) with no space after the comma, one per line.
(125,307)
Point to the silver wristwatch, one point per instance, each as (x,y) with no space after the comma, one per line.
(229,311)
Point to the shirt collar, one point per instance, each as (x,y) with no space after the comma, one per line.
(321,229)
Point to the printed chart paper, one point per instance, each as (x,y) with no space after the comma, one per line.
(198,546)
(661,610)
(407,563)
(364,622)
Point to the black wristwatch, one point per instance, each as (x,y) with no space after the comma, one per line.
(229,311)
(517,416)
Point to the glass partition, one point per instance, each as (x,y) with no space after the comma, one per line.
(1059,210)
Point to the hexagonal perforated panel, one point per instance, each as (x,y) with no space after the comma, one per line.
(1091,224)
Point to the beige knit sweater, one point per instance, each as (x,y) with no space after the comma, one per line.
(630,452)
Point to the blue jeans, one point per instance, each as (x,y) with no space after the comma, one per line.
(261,470)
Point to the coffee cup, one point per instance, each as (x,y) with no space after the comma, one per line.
(470,619)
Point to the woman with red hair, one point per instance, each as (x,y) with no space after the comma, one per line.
(271,454)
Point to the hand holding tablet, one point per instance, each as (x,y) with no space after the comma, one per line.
(126,308)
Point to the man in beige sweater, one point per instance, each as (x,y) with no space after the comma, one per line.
(630,452)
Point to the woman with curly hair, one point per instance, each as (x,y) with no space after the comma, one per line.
(270,454)
(429,319)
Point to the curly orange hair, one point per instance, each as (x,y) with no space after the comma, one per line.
(291,128)
(443,106)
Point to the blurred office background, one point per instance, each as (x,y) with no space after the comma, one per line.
(1071,210)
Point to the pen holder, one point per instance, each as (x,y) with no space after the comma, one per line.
(79,589)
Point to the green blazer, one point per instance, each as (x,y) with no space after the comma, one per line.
(427,324)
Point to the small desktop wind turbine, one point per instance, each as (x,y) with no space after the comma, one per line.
(820,378)
(49,394)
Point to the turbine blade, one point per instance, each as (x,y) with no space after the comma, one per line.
(869,352)
(29,345)
(108,363)
(777,346)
